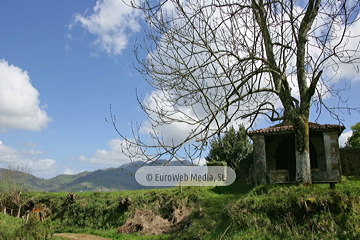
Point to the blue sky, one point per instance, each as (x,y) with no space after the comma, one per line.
(62,63)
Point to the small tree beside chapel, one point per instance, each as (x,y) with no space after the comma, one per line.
(231,147)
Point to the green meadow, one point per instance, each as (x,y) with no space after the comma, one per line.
(237,211)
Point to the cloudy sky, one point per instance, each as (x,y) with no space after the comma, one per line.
(62,63)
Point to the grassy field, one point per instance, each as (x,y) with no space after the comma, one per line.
(233,212)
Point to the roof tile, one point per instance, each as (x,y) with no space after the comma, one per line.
(285,127)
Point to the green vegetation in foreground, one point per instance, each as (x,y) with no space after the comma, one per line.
(8,224)
(234,212)
(12,228)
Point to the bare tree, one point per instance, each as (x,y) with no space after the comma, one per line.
(13,182)
(215,62)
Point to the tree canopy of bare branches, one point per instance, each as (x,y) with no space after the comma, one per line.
(216,62)
(12,183)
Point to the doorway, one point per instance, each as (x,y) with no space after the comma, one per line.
(285,157)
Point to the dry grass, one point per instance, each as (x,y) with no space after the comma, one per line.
(146,222)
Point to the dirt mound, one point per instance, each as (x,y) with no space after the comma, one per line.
(146,222)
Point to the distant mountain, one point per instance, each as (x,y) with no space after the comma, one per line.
(110,179)
(113,179)
(49,185)
(33,183)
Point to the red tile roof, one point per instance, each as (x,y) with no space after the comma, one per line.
(285,127)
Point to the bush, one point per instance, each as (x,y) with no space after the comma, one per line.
(233,148)
(35,229)
(350,161)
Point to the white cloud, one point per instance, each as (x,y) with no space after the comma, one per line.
(9,155)
(113,22)
(344,137)
(19,100)
(27,152)
(175,132)
(187,120)
(200,162)
(68,39)
(42,165)
(113,156)
(69,171)
(347,48)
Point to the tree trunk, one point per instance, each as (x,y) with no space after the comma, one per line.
(19,211)
(302,151)
(303,168)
